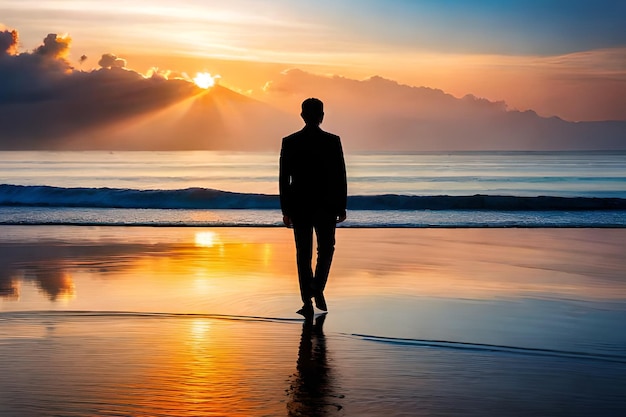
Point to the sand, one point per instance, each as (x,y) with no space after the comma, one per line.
(142,321)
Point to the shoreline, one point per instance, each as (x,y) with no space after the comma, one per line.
(280,226)
(272,219)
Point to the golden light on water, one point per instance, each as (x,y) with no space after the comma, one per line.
(199,329)
(205,80)
(251,272)
(207,239)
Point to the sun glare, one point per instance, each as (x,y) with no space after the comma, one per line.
(205,79)
(207,239)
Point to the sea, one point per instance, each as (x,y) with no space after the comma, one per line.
(413,190)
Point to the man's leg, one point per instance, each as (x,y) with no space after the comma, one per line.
(325,232)
(303,234)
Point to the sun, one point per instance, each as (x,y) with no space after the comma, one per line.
(205,79)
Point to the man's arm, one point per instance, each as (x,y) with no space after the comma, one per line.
(284,178)
(342,189)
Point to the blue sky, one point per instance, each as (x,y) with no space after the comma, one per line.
(532,27)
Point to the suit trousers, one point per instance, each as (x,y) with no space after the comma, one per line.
(303,228)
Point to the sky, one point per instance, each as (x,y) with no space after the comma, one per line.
(558,58)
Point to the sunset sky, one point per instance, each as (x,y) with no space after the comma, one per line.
(563,58)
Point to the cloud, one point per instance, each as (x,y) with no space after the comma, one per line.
(32,76)
(374,98)
(45,103)
(8,42)
(378,113)
(54,46)
(44,100)
(111,61)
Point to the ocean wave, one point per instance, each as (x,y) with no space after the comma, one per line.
(206,198)
(189,198)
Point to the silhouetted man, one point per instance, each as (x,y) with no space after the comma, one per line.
(313,193)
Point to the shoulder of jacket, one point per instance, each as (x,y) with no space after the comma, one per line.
(331,135)
(291,137)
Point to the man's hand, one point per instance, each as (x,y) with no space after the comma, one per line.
(287,221)
(341,218)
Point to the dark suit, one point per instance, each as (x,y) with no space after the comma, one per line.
(313,194)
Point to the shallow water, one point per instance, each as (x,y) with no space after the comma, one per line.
(195,366)
(199,321)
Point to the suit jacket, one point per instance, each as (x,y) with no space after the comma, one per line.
(312,177)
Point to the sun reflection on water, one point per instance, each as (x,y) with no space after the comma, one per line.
(207,239)
(199,329)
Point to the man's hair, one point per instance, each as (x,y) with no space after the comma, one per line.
(312,110)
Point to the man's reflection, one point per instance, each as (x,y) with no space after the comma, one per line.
(311,391)
(55,282)
(8,287)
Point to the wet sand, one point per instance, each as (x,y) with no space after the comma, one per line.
(201,321)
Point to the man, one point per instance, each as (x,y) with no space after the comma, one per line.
(313,193)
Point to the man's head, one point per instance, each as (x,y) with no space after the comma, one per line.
(312,111)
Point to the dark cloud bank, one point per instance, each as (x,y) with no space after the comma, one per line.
(45,103)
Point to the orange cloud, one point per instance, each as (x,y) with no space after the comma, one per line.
(8,41)
(55,46)
(582,86)
(44,101)
(378,113)
(111,61)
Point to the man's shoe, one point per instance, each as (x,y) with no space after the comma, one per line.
(320,301)
(306,310)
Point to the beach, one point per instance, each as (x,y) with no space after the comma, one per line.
(147,321)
